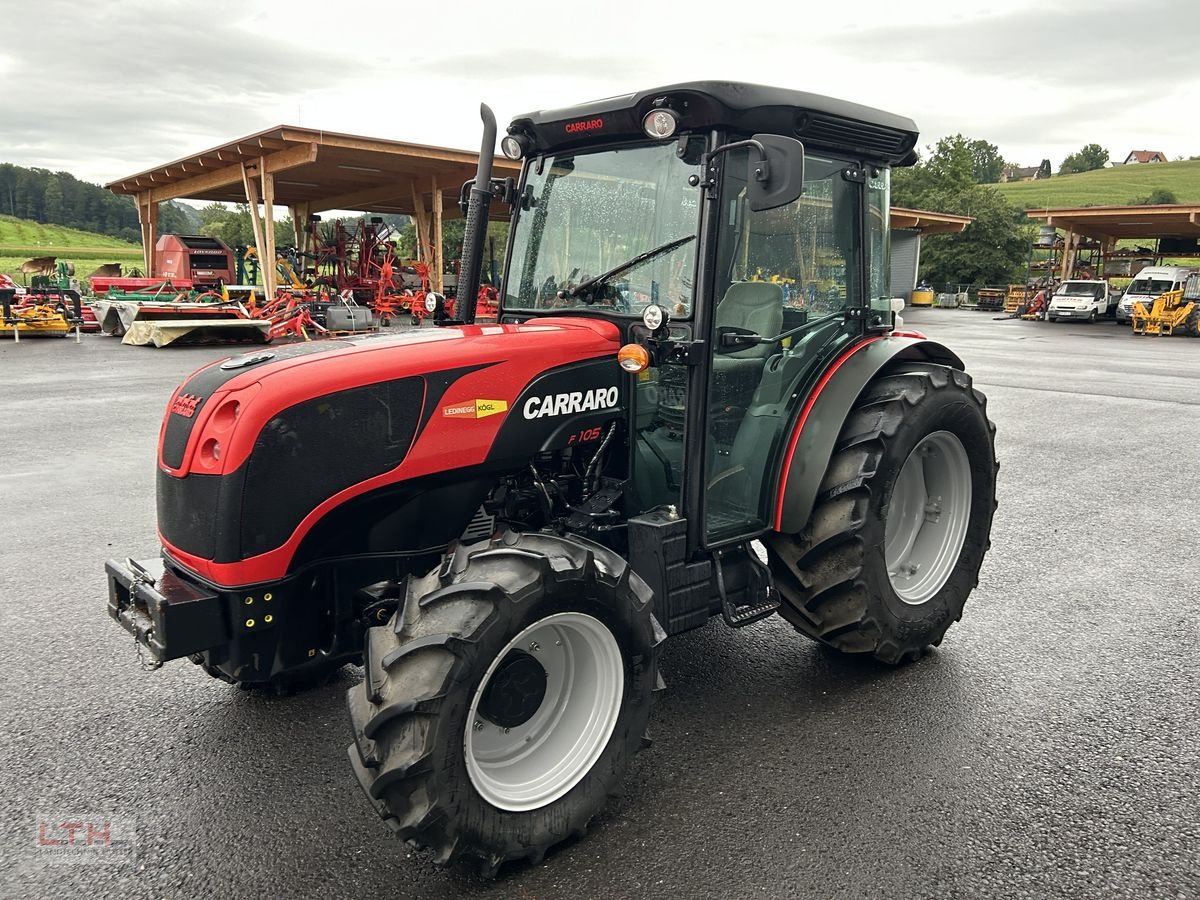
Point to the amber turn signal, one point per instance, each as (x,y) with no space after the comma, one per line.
(633,358)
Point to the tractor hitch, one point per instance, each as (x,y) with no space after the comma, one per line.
(167,616)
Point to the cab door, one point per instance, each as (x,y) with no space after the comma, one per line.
(788,294)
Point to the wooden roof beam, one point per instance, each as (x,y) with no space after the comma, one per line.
(393,148)
(218,178)
(350,200)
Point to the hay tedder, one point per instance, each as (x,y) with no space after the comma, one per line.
(502,523)
(1175,312)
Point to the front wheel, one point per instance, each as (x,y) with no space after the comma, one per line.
(902,522)
(502,703)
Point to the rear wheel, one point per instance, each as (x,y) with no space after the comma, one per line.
(901,526)
(1192,325)
(502,703)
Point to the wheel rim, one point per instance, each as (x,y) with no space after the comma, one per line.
(529,765)
(927,519)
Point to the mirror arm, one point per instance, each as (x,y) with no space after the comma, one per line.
(761,173)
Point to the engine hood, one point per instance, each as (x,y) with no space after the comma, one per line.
(268,380)
(256,449)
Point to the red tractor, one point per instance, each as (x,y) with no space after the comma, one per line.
(502,523)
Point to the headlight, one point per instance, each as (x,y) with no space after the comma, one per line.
(512,146)
(654,317)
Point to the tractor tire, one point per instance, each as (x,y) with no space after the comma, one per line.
(1191,326)
(414,320)
(525,641)
(902,521)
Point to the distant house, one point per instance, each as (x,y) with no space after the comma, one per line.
(1144,156)
(1019,173)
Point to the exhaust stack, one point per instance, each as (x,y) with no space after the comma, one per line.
(475,231)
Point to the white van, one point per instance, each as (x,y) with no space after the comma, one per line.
(1151,282)
(1080,298)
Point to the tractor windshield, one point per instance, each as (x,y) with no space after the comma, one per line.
(585,215)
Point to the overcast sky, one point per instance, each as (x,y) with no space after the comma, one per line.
(105,90)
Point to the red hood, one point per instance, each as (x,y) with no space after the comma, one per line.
(506,357)
(464,382)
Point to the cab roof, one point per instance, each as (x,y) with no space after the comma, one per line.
(820,122)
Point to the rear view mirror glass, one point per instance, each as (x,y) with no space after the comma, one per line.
(781,181)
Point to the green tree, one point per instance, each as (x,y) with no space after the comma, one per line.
(992,248)
(52,201)
(452,244)
(233,226)
(986,162)
(1045,170)
(1093,156)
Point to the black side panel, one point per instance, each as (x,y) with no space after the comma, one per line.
(539,420)
(412,515)
(314,449)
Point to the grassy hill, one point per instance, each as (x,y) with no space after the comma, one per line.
(1108,187)
(21,239)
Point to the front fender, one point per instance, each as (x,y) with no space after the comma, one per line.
(815,429)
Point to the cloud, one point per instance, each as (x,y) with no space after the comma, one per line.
(1101,46)
(134,96)
(147,81)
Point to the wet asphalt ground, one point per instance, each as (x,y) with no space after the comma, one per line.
(1049,748)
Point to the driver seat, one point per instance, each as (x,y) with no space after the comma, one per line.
(756,306)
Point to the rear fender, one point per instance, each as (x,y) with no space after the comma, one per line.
(815,430)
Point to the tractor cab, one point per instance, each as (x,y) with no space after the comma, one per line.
(737,233)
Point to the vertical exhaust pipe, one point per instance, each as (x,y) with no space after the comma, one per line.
(475,231)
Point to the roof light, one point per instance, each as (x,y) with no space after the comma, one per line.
(660,123)
(513,146)
(633,358)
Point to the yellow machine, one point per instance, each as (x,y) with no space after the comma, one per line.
(41,320)
(922,297)
(287,274)
(1175,312)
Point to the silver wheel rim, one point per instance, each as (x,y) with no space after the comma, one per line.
(927,519)
(533,764)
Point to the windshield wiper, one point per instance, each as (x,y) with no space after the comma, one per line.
(586,286)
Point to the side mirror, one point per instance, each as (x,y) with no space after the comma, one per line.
(777,178)
(731,339)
